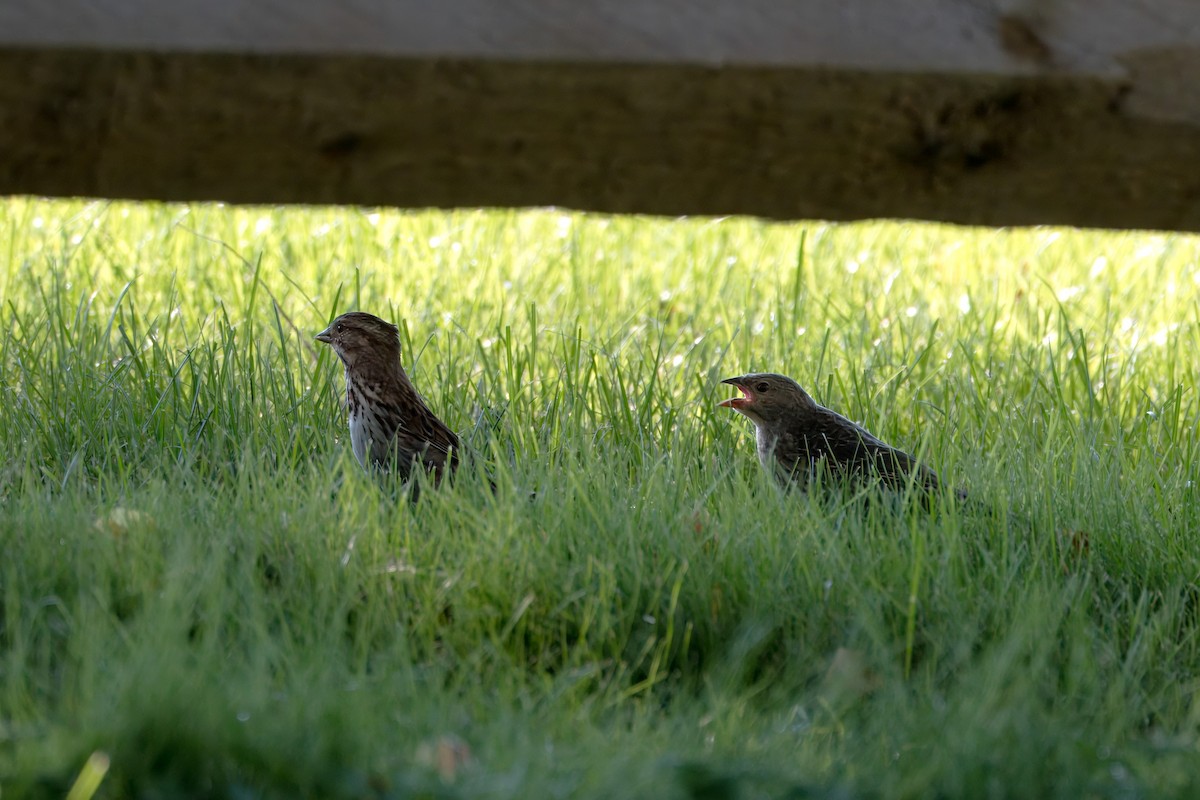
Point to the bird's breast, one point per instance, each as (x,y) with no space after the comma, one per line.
(766,445)
(372,422)
(360,437)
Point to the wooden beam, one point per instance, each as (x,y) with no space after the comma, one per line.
(1084,112)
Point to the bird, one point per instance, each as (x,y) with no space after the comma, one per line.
(391,427)
(797,437)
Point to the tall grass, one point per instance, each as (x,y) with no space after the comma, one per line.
(200,584)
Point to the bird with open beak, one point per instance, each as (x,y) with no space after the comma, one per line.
(797,437)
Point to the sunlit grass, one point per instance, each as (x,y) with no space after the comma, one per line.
(200,584)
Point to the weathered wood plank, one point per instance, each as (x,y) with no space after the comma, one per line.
(1084,112)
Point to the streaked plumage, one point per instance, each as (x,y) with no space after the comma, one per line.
(391,427)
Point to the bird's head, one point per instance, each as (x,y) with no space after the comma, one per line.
(357,334)
(767,397)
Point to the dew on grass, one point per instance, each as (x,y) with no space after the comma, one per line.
(891,279)
(562,226)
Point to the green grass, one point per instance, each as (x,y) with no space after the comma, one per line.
(200,585)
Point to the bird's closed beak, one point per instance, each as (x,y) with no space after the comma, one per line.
(325,336)
(736,403)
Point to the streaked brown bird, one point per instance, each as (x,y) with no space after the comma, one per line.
(797,437)
(391,428)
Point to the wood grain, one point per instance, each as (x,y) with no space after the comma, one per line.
(1083,112)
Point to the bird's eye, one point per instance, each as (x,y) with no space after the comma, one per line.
(339,327)
(762,387)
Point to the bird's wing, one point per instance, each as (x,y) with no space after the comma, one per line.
(854,449)
(422,435)
(840,441)
(443,445)
(896,468)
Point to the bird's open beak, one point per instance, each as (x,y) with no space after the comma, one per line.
(325,336)
(736,403)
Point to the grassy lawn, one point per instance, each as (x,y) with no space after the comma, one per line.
(203,594)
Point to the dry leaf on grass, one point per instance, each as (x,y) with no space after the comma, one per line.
(848,676)
(120,521)
(447,754)
(1073,546)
